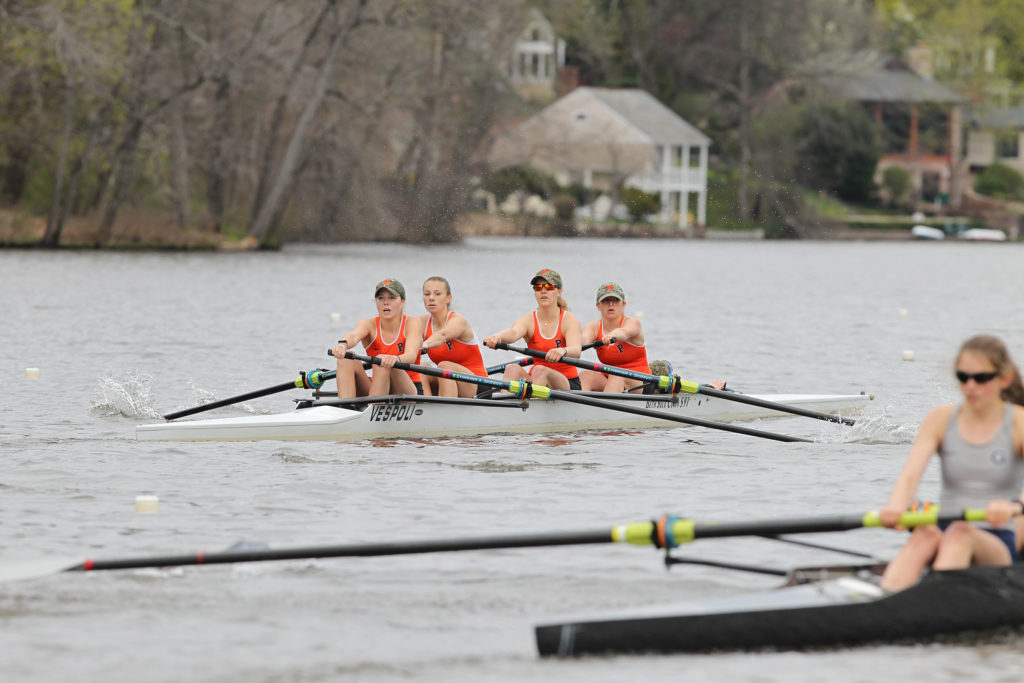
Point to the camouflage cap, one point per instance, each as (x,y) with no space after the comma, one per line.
(610,289)
(661,368)
(392,285)
(549,276)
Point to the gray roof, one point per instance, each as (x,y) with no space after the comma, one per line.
(999,117)
(871,76)
(647,114)
(893,86)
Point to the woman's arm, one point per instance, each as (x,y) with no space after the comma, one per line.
(929,436)
(519,330)
(573,344)
(454,328)
(348,341)
(630,330)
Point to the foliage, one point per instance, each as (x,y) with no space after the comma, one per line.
(896,181)
(839,150)
(504,181)
(565,205)
(1000,181)
(639,203)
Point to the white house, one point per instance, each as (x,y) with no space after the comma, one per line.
(604,137)
(996,134)
(536,58)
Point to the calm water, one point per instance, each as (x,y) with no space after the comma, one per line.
(122,338)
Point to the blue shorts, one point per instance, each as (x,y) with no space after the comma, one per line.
(1007,536)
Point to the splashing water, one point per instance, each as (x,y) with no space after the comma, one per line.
(129,396)
(878,429)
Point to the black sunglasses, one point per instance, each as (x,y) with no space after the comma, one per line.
(978,377)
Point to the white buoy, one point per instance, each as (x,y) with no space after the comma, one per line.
(147,504)
(908,355)
(639,315)
(32,373)
(335,317)
(903,313)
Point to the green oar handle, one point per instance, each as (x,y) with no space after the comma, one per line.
(665,533)
(524,389)
(306,380)
(675,384)
(671,531)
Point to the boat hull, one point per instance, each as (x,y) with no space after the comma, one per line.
(407,418)
(845,611)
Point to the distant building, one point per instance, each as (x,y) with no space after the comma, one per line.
(920,120)
(996,134)
(607,138)
(537,58)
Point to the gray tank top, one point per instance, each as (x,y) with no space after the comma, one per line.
(974,474)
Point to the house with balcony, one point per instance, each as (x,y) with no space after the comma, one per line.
(609,138)
(537,59)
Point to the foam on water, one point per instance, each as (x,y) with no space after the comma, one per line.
(130,396)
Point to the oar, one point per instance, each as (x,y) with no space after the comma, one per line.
(495,369)
(674,384)
(313,379)
(523,389)
(667,532)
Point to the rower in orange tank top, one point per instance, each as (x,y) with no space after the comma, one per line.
(551,328)
(622,354)
(538,342)
(623,347)
(396,347)
(406,336)
(451,344)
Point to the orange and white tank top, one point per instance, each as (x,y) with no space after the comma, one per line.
(466,354)
(396,347)
(539,342)
(622,354)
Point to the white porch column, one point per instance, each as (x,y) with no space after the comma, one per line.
(686,166)
(684,209)
(702,193)
(666,198)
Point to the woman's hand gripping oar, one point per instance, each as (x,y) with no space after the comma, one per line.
(495,369)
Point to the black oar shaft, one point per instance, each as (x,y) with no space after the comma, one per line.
(661,415)
(702,389)
(675,530)
(772,405)
(357,550)
(238,399)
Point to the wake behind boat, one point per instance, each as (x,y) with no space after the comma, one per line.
(816,607)
(409,416)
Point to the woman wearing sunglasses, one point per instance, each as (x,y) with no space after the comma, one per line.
(551,328)
(393,336)
(980,446)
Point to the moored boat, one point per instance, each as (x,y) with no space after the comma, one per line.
(407,417)
(814,608)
